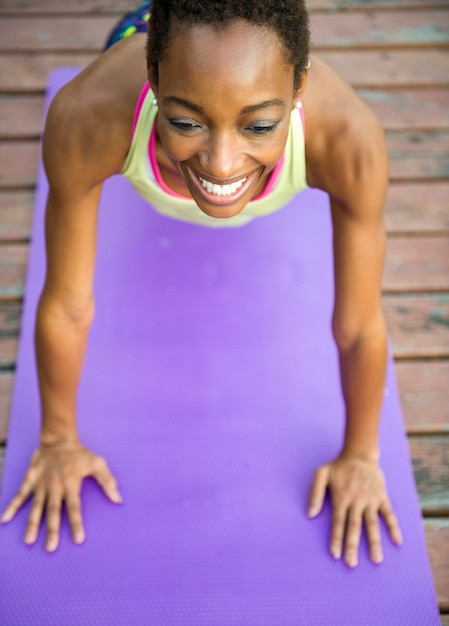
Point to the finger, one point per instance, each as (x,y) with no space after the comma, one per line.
(73,507)
(373,532)
(35,518)
(101,473)
(318,491)
(392,522)
(338,529)
(22,495)
(353,532)
(54,505)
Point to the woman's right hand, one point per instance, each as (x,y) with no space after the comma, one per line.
(54,478)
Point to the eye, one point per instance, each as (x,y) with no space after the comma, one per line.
(262,128)
(184,124)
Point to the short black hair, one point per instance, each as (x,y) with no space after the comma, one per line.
(287,18)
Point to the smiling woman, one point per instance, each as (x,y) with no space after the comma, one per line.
(209,126)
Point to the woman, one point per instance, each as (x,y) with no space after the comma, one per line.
(233,89)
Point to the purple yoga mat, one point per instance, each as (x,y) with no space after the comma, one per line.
(211,386)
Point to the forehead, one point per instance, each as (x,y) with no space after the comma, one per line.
(240,56)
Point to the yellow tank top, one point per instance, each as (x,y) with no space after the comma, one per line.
(140,171)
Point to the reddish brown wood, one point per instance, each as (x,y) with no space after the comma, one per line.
(390,68)
(418,154)
(56,7)
(10,320)
(18,163)
(83,33)
(24,73)
(21,73)
(13,263)
(400,109)
(417,264)
(424,390)
(437,536)
(21,116)
(381,28)
(6,386)
(417,207)
(373,29)
(419,325)
(430,457)
(8,351)
(445,618)
(16,214)
(366,5)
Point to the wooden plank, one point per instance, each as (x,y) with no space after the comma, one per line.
(10,320)
(25,73)
(21,73)
(49,33)
(417,264)
(13,265)
(400,109)
(364,29)
(424,393)
(16,214)
(55,7)
(21,116)
(418,324)
(437,537)
(380,29)
(18,163)
(364,5)
(418,154)
(445,618)
(417,207)
(430,458)
(390,68)
(6,386)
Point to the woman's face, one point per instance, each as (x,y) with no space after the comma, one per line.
(225,99)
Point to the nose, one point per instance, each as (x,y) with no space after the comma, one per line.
(224,155)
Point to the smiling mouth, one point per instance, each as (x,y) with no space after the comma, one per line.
(221,194)
(221,190)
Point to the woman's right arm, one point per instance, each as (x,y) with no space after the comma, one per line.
(77,158)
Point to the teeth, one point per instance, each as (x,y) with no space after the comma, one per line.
(222,190)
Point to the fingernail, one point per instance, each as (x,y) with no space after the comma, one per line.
(5,518)
(313,510)
(51,546)
(336,553)
(28,538)
(118,498)
(79,537)
(352,561)
(378,557)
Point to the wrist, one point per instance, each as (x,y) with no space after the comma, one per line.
(362,454)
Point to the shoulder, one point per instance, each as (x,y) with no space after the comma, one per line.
(345,148)
(88,127)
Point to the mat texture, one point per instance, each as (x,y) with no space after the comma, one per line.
(211,386)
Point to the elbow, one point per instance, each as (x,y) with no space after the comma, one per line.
(350,333)
(79,313)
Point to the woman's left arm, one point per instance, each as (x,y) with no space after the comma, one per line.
(357,179)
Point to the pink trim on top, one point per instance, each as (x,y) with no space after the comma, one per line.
(155,165)
(140,99)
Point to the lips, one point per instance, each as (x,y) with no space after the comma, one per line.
(222,195)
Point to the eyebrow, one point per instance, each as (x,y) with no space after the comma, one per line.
(248,109)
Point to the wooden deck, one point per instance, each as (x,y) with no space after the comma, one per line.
(395,53)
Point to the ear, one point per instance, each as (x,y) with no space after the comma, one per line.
(153,78)
(300,88)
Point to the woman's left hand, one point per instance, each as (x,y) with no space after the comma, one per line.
(359,496)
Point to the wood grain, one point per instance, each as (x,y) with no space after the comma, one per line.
(21,116)
(424,391)
(418,324)
(13,264)
(417,264)
(417,27)
(417,207)
(418,154)
(437,537)
(430,457)
(6,386)
(16,215)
